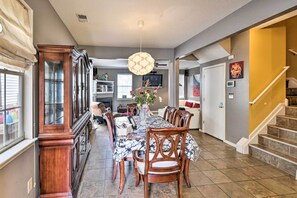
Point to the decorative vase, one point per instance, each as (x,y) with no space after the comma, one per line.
(144,114)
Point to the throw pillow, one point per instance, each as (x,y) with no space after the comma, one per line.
(196,105)
(188,104)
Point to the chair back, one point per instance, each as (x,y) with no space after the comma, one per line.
(182,118)
(132,109)
(169,152)
(169,114)
(111,128)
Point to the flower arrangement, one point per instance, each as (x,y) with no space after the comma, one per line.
(144,95)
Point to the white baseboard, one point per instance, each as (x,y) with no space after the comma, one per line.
(242,146)
(292,82)
(230,143)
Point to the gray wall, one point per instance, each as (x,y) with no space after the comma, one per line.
(14,177)
(237,117)
(137,80)
(249,15)
(237,108)
(48,28)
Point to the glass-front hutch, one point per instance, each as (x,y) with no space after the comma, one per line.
(64,91)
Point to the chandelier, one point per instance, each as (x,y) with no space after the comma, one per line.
(140,63)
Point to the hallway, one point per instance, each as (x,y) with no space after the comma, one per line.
(220,172)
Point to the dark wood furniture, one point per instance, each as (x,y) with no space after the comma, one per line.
(162,166)
(182,119)
(132,109)
(63,118)
(169,114)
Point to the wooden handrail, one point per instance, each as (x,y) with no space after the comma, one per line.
(270,85)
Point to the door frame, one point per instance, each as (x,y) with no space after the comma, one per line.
(224,64)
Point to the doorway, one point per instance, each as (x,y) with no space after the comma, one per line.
(213,100)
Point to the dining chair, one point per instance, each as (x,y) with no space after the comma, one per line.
(169,114)
(163,162)
(182,119)
(111,127)
(132,109)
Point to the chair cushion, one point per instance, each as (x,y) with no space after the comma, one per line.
(188,104)
(196,105)
(161,164)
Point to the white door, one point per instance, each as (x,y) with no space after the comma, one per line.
(213,101)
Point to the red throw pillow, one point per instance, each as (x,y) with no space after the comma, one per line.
(188,104)
(196,105)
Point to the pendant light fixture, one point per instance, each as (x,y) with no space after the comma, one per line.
(140,63)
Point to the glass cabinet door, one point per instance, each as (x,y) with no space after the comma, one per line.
(74,95)
(53,92)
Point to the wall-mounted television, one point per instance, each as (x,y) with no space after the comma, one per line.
(155,79)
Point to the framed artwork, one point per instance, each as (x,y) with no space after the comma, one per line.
(196,85)
(236,70)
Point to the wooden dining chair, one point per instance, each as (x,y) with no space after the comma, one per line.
(166,163)
(182,119)
(169,114)
(109,118)
(131,109)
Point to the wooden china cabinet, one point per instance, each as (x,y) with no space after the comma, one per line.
(63,118)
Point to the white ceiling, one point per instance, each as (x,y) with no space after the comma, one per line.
(167,23)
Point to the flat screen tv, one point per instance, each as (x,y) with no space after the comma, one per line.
(155,79)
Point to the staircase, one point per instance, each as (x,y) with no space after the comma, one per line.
(279,146)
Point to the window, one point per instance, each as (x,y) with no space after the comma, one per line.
(124,86)
(181,86)
(11,108)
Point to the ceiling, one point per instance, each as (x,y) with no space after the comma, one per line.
(167,23)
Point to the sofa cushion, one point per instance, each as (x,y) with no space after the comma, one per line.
(188,104)
(196,105)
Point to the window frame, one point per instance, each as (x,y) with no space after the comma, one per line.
(20,107)
(120,86)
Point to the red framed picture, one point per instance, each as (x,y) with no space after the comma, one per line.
(236,70)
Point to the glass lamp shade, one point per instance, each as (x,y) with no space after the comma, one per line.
(141,63)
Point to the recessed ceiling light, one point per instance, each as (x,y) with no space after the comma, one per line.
(82,18)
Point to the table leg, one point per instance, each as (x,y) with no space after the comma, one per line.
(122,176)
(186,173)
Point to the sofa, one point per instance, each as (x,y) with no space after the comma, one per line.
(194,109)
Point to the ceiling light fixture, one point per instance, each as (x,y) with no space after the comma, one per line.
(140,63)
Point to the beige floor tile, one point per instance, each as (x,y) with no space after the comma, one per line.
(233,190)
(198,179)
(204,165)
(253,173)
(276,187)
(96,179)
(269,170)
(209,191)
(221,164)
(256,189)
(235,174)
(287,181)
(216,176)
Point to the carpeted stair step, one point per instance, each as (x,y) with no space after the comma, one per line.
(283,162)
(292,100)
(291,92)
(277,144)
(291,111)
(286,121)
(282,133)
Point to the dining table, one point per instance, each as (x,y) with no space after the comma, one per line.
(136,140)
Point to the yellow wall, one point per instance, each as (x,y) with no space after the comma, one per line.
(267,59)
(291,25)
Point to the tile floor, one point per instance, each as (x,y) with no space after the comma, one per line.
(220,172)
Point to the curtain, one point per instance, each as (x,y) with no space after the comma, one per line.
(16,38)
